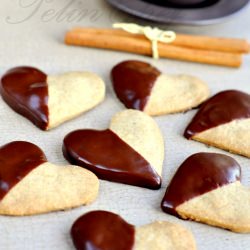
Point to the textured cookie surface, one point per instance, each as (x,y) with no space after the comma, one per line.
(44,187)
(224,122)
(71,94)
(206,188)
(140,86)
(131,151)
(142,134)
(172,94)
(49,101)
(162,235)
(233,137)
(107,231)
(226,207)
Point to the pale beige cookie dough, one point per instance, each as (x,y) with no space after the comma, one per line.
(50,188)
(163,235)
(175,93)
(227,207)
(72,94)
(141,133)
(233,137)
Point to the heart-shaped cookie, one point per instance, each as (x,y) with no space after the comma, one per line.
(31,185)
(48,101)
(104,230)
(223,121)
(131,151)
(207,188)
(140,86)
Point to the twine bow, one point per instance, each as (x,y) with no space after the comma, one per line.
(155,35)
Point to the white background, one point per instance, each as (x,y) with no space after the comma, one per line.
(29,37)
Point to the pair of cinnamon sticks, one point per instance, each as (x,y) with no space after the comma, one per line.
(200,49)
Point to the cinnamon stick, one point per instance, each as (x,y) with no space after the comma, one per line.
(143,46)
(232,45)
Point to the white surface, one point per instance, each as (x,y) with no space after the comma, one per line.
(28,37)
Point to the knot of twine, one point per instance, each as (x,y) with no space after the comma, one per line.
(155,35)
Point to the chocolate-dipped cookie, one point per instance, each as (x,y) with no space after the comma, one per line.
(31,185)
(104,230)
(223,121)
(207,188)
(131,151)
(139,85)
(48,101)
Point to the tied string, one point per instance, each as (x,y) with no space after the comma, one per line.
(155,35)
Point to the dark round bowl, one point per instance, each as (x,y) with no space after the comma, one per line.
(158,11)
(185,2)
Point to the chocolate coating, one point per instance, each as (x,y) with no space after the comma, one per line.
(199,174)
(17,159)
(101,230)
(25,90)
(110,158)
(222,108)
(133,82)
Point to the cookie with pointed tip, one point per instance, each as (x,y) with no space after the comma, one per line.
(131,151)
(48,101)
(30,185)
(223,121)
(139,85)
(207,188)
(90,232)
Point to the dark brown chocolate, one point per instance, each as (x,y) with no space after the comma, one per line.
(133,82)
(110,158)
(101,230)
(222,108)
(17,159)
(25,90)
(199,174)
